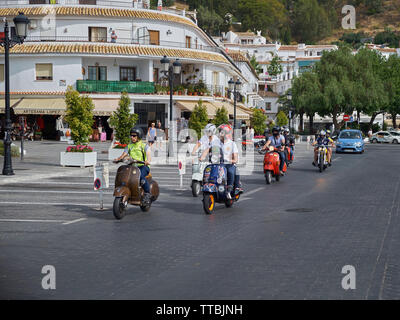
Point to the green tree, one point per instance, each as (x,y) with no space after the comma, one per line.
(307,96)
(79,115)
(262,15)
(254,63)
(123,120)
(199,118)
(221,116)
(275,67)
(310,21)
(281,119)
(209,20)
(370,91)
(335,72)
(258,121)
(392,85)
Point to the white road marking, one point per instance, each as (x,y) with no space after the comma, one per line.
(50,191)
(74,221)
(336,159)
(30,220)
(254,191)
(51,204)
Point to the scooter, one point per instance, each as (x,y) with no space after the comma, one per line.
(289,156)
(128,189)
(322,163)
(197,177)
(215,188)
(271,165)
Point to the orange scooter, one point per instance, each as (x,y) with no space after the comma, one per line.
(271,164)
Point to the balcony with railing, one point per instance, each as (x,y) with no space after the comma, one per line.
(139,42)
(102,86)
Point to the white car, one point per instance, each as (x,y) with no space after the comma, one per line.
(385,137)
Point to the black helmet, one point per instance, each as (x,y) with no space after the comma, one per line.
(138,131)
(276,128)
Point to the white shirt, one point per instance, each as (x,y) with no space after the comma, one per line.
(205,142)
(229,147)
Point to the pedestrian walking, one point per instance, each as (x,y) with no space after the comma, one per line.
(151,134)
(159,135)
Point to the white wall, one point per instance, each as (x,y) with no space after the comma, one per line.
(23,76)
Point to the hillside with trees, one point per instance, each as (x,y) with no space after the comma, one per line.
(300,21)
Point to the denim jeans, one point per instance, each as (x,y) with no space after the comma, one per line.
(233,177)
(144,172)
(282,158)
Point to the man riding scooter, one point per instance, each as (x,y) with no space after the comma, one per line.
(321,140)
(139,151)
(332,143)
(277,141)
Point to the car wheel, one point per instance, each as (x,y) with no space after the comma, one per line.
(395,141)
(374,141)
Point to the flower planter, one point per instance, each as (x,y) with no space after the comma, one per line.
(114,153)
(78,159)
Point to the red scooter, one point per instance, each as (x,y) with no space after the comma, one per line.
(271,165)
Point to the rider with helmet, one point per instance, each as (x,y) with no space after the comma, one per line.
(332,143)
(322,139)
(139,151)
(229,156)
(278,141)
(207,139)
(289,140)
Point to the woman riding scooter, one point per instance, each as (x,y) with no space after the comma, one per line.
(139,151)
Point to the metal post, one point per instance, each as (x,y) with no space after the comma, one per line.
(101,199)
(234,111)
(7,169)
(171,102)
(22,138)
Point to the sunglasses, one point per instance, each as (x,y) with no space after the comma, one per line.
(134,135)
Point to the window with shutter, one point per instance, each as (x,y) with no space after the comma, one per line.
(154,37)
(1,72)
(44,71)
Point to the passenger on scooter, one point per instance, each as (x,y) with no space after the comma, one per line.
(207,139)
(321,140)
(332,143)
(277,141)
(289,140)
(139,151)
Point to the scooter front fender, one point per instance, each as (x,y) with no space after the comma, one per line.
(122,192)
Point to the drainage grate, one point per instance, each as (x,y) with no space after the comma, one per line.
(299,210)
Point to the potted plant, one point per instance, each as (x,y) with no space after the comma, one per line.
(122,121)
(79,115)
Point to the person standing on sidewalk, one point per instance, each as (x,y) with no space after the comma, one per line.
(151,134)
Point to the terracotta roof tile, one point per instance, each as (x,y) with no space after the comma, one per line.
(100,12)
(115,49)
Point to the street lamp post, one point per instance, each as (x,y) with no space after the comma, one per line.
(169,71)
(234,86)
(21,25)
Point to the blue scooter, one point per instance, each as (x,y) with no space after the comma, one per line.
(215,188)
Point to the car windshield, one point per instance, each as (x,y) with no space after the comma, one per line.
(393,133)
(350,135)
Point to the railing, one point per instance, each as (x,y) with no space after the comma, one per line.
(100,3)
(162,43)
(91,86)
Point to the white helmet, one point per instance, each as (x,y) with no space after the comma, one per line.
(287,130)
(210,129)
(322,133)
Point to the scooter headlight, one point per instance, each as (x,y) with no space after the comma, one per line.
(221,189)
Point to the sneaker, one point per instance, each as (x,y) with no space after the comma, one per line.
(147,198)
(228,196)
(314,164)
(330,164)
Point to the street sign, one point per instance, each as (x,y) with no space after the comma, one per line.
(97,184)
(181,168)
(346,117)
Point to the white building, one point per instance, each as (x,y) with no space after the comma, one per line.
(102,48)
(294,59)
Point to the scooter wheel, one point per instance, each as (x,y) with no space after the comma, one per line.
(229,203)
(145,208)
(119,208)
(278,177)
(268,177)
(196,188)
(208,203)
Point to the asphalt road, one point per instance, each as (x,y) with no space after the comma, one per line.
(288,240)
